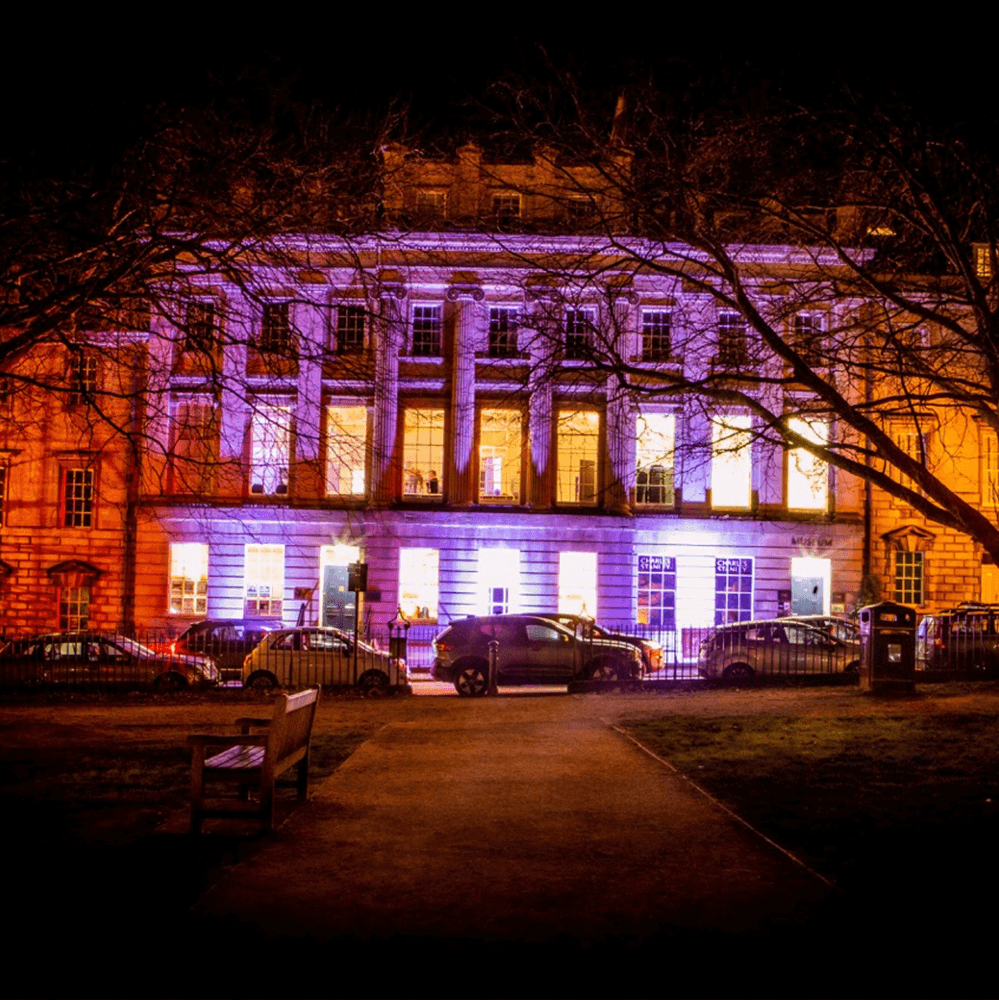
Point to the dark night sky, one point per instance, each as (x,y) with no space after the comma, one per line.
(79,91)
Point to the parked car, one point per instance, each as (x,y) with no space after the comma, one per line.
(298,657)
(226,642)
(965,638)
(93,659)
(587,628)
(532,650)
(838,628)
(744,650)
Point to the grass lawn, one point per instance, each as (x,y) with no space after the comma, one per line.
(84,819)
(904,807)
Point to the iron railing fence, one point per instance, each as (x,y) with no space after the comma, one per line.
(113,661)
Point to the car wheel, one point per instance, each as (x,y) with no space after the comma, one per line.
(170,682)
(605,670)
(261,681)
(471,681)
(32,685)
(738,672)
(853,667)
(374,684)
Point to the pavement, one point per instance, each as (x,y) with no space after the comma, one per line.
(518,846)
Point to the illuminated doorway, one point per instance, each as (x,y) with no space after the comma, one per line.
(339,603)
(810,580)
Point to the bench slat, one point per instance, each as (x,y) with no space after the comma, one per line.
(240,756)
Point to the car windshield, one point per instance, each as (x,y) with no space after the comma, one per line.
(129,646)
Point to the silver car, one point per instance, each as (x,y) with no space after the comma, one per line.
(299,657)
(742,651)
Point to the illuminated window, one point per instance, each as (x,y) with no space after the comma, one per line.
(506,210)
(78,498)
(422,451)
(909,573)
(578,444)
(656,328)
(503,332)
(427,331)
(499,581)
(263,581)
(188,578)
(270,449)
(807,476)
(989,457)
(731,339)
(657,592)
(731,462)
(349,329)
(579,325)
(733,590)
(806,338)
(74,609)
(346,441)
(655,443)
(419,586)
(194,455)
(499,456)
(83,379)
(577,583)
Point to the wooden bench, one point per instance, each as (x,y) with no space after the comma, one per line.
(254,759)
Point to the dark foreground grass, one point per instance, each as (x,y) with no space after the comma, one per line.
(895,808)
(84,829)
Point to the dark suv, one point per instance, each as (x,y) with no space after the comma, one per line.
(532,650)
(227,642)
(965,639)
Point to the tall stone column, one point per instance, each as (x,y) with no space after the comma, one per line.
(542,467)
(620,465)
(240,318)
(389,334)
(310,324)
(459,485)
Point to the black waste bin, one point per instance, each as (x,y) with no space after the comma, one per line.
(888,647)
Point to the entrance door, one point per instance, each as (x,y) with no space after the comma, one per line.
(338,602)
(809,586)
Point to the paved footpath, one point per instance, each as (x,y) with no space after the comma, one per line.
(528,833)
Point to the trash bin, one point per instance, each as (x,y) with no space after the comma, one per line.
(888,648)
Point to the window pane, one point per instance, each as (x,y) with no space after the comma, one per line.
(74,608)
(503,332)
(263,580)
(271,449)
(655,334)
(78,499)
(577,583)
(578,333)
(578,443)
(733,590)
(349,329)
(188,578)
(499,456)
(807,476)
(422,452)
(346,440)
(731,462)
(427,331)
(418,583)
(655,442)
(657,592)
(909,577)
(499,581)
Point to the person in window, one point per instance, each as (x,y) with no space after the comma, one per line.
(433,486)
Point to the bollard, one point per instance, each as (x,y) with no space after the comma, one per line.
(493,664)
